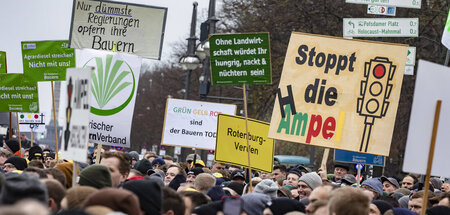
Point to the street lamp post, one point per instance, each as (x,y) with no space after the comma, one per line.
(204,79)
(190,61)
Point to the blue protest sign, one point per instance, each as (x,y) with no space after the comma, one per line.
(356,157)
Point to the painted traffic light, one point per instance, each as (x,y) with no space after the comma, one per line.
(375,92)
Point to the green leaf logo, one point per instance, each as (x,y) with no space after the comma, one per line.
(108,80)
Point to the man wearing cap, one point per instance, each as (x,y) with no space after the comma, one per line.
(190,158)
(192,174)
(348,180)
(35,153)
(389,184)
(238,176)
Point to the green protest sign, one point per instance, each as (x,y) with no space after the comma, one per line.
(2,62)
(47,60)
(240,59)
(18,95)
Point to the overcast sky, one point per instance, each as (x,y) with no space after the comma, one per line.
(35,20)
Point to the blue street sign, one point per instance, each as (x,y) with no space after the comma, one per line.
(356,157)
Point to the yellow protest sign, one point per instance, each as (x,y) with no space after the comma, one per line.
(231,143)
(339,93)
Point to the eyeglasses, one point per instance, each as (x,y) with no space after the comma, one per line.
(9,166)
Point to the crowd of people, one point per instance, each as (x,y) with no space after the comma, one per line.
(35,181)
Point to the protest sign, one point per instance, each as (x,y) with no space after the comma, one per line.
(192,124)
(431,85)
(117,26)
(231,143)
(113,94)
(240,59)
(17,94)
(32,122)
(339,93)
(47,60)
(445,40)
(2,62)
(76,129)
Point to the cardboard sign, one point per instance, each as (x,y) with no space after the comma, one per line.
(47,60)
(17,94)
(360,158)
(76,129)
(113,94)
(32,122)
(192,124)
(431,85)
(339,93)
(116,26)
(231,144)
(2,62)
(240,59)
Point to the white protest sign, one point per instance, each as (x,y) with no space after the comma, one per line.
(76,129)
(431,85)
(381,27)
(116,26)
(192,124)
(113,94)
(395,3)
(32,122)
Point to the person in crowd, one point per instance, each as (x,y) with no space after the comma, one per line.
(4,155)
(150,156)
(53,173)
(36,163)
(143,166)
(444,199)
(35,153)
(446,186)
(172,171)
(75,197)
(192,174)
(12,146)
(348,201)
(379,207)
(340,169)
(172,204)
(373,187)
(14,164)
(416,200)
(283,206)
(216,167)
(320,193)
(149,194)
(347,180)
(96,175)
(48,159)
(307,183)
(389,184)
(119,166)
(279,173)
(134,157)
(191,158)
(18,187)
(46,152)
(37,171)
(157,163)
(168,159)
(267,187)
(120,200)
(67,169)
(292,180)
(238,176)
(409,181)
(192,200)
(203,182)
(56,193)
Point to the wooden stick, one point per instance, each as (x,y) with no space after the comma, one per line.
(74,173)
(10,125)
(31,144)
(248,144)
(98,154)
(326,152)
(19,137)
(430,156)
(55,122)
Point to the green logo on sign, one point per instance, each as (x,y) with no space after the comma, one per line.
(110,83)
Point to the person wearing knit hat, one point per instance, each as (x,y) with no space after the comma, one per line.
(379,207)
(438,210)
(143,166)
(116,199)
(67,168)
(374,185)
(75,197)
(282,206)
(215,193)
(157,162)
(134,157)
(255,203)
(236,187)
(149,194)
(307,183)
(14,163)
(97,176)
(12,145)
(402,211)
(268,187)
(23,186)
(35,153)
